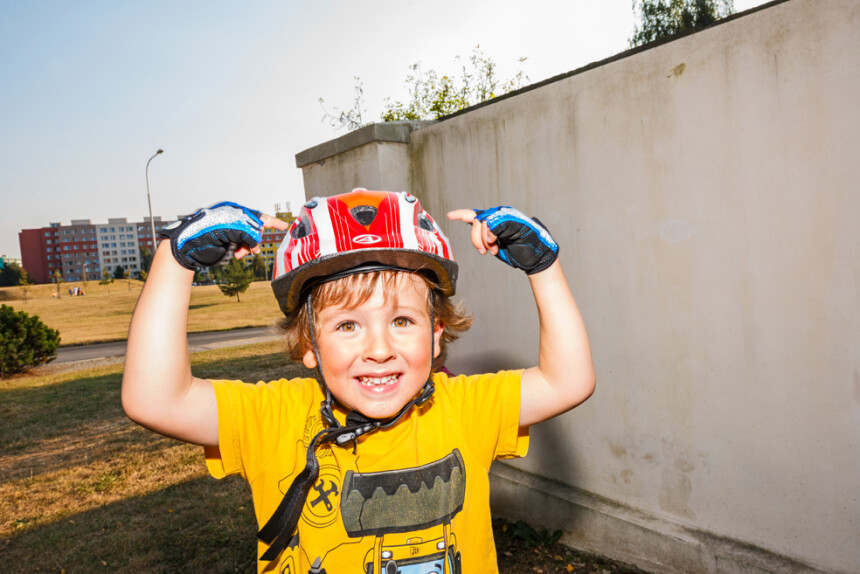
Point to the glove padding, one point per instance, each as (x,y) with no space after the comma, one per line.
(209,235)
(524,242)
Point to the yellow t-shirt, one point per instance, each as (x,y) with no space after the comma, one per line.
(416,494)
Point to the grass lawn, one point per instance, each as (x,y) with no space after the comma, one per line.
(104,313)
(84,489)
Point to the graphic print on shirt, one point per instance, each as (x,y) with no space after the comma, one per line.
(409,513)
(322,504)
(403,517)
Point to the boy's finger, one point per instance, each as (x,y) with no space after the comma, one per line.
(273,222)
(489,238)
(466,215)
(478,238)
(241,252)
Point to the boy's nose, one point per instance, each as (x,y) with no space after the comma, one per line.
(379,347)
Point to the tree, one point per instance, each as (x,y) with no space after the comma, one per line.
(119,272)
(216,271)
(24,283)
(433,95)
(58,279)
(661,19)
(25,341)
(236,279)
(10,274)
(145,258)
(106,280)
(142,275)
(200,276)
(258,267)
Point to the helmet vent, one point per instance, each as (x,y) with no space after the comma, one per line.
(300,229)
(425,223)
(364,214)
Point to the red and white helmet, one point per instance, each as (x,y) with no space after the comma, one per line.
(336,234)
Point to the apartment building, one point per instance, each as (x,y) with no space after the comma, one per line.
(70,250)
(272,238)
(83,250)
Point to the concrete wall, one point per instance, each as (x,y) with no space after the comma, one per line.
(705,195)
(373,157)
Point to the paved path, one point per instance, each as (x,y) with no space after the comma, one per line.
(196,342)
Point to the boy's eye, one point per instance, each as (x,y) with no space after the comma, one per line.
(402,322)
(347,326)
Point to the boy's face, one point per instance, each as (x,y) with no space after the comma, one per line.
(376,356)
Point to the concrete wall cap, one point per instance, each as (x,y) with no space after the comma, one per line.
(392,132)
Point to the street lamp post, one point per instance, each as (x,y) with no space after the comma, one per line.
(149,201)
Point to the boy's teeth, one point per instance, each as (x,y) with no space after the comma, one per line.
(377,380)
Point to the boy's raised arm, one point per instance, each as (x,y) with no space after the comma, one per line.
(564,376)
(158,389)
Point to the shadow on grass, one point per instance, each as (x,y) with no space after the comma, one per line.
(86,410)
(201,525)
(29,415)
(201,306)
(52,422)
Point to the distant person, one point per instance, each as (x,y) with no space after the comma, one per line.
(380,463)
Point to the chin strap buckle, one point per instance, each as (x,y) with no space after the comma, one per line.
(353,434)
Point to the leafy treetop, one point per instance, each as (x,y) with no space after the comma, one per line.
(433,95)
(661,19)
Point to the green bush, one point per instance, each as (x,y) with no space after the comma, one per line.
(25,341)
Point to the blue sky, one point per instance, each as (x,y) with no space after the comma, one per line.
(90,89)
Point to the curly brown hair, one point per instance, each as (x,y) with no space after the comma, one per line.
(355,290)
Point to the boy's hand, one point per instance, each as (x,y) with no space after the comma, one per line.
(205,238)
(520,241)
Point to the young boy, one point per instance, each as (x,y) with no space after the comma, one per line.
(380,466)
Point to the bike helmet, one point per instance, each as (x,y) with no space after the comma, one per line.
(356,232)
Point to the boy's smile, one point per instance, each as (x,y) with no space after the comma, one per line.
(376,356)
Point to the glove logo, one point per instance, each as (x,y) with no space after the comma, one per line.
(367,239)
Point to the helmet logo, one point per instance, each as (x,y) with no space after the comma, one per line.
(367,239)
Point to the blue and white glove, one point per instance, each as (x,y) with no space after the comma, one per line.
(524,242)
(208,236)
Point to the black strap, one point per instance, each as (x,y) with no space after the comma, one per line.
(279,529)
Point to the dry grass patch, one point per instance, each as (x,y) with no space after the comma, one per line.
(83,488)
(104,313)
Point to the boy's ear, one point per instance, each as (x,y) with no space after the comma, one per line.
(309,359)
(437,337)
